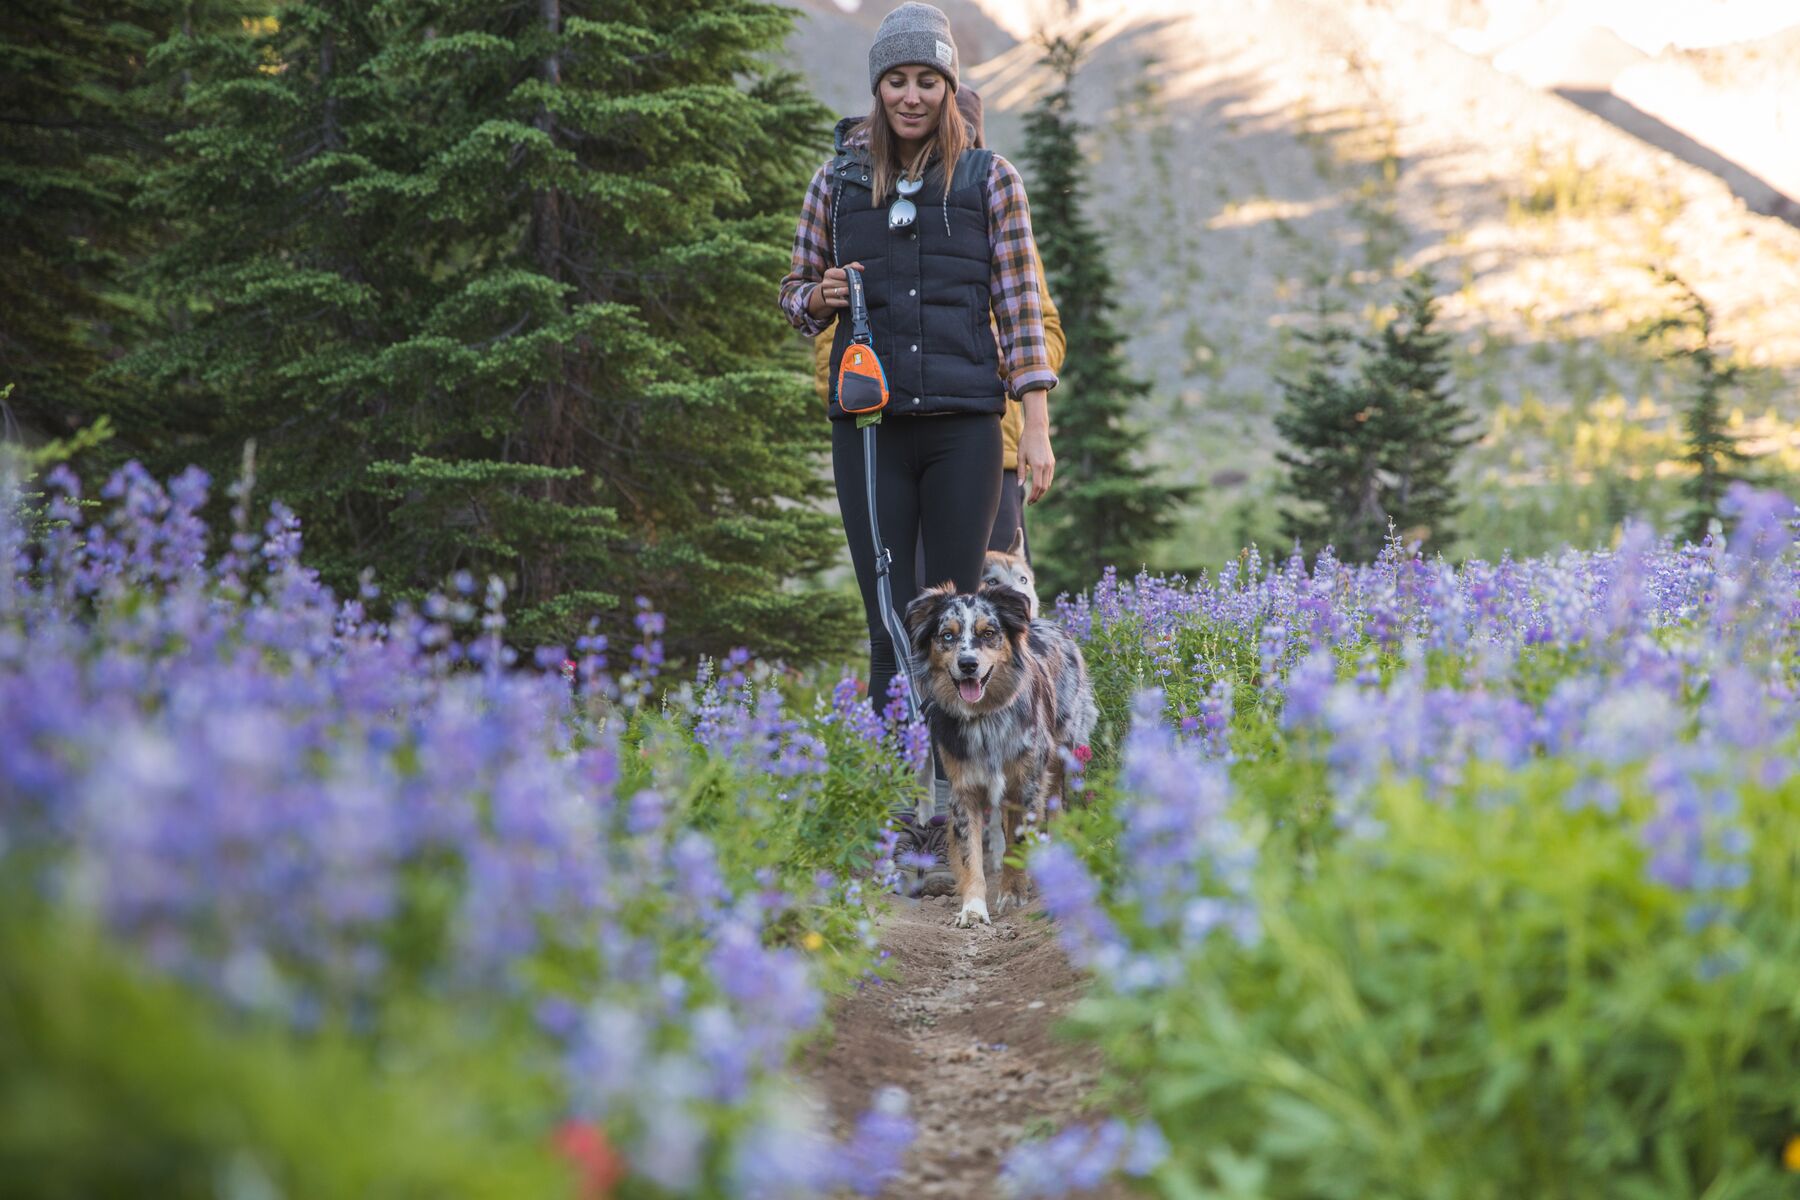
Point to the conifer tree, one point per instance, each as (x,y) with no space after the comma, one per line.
(1712,450)
(1332,450)
(1107,508)
(81,126)
(1425,427)
(491,286)
(1376,445)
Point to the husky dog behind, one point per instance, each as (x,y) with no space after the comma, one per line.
(1008,694)
(1008,568)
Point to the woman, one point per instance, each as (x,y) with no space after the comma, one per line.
(1009,521)
(935,271)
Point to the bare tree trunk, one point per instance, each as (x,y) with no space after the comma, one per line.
(333,136)
(553,441)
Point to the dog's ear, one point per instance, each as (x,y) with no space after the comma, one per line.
(1011,606)
(1018,542)
(922,615)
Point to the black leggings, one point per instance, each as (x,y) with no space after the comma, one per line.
(935,476)
(1009,519)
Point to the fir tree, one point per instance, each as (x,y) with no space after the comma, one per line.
(1107,508)
(1425,427)
(1712,450)
(1333,449)
(82,126)
(1377,445)
(490,284)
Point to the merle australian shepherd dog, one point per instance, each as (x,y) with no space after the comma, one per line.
(1009,695)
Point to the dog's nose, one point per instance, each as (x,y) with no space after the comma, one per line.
(967,664)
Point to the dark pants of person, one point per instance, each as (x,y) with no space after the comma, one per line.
(935,477)
(1008,521)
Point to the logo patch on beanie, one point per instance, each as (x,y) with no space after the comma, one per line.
(945,53)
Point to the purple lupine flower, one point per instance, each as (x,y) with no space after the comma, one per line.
(1271,652)
(1080,1158)
(1177,831)
(1694,842)
(1087,934)
(875,1152)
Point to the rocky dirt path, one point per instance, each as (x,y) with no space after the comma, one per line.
(965,1024)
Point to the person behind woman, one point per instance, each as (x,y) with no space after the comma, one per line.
(942,235)
(1009,520)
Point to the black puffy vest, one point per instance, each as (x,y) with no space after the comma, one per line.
(927,288)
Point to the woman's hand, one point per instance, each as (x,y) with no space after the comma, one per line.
(1035,457)
(833,291)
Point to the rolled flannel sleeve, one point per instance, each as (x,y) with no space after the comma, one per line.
(1013,284)
(812,247)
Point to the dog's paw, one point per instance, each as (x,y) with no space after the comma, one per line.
(1006,901)
(973,909)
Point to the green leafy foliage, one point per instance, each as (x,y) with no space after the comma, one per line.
(1490,1000)
(114,1081)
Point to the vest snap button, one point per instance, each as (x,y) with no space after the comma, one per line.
(915,346)
(912,291)
(915,399)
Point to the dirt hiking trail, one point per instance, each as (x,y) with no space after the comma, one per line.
(966,1025)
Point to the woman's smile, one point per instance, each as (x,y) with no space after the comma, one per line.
(913,97)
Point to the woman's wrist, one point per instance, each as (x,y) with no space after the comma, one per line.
(1037,408)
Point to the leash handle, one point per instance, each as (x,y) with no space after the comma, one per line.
(860,330)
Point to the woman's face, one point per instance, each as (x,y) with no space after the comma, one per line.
(913,99)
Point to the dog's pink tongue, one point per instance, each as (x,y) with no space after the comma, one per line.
(970,689)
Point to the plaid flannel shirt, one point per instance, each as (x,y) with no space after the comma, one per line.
(1012,274)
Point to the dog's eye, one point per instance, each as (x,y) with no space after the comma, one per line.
(946,637)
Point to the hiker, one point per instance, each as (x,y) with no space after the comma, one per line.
(1010,518)
(941,232)
(946,256)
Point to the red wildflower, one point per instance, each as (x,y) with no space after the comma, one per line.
(597,1165)
(1082,754)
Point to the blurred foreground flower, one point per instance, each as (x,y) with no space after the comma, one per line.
(597,1165)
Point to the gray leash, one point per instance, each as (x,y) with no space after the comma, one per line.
(860,333)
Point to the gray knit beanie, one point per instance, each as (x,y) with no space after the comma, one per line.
(913,33)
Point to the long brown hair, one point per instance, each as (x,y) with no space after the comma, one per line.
(947,145)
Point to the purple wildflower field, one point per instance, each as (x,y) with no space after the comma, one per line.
(1428,880)
(1409,879)
(350,830)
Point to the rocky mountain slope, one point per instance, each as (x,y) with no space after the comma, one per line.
(1247,154)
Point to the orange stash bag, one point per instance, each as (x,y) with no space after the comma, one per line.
(861,383)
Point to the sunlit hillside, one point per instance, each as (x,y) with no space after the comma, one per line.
(1245,154)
